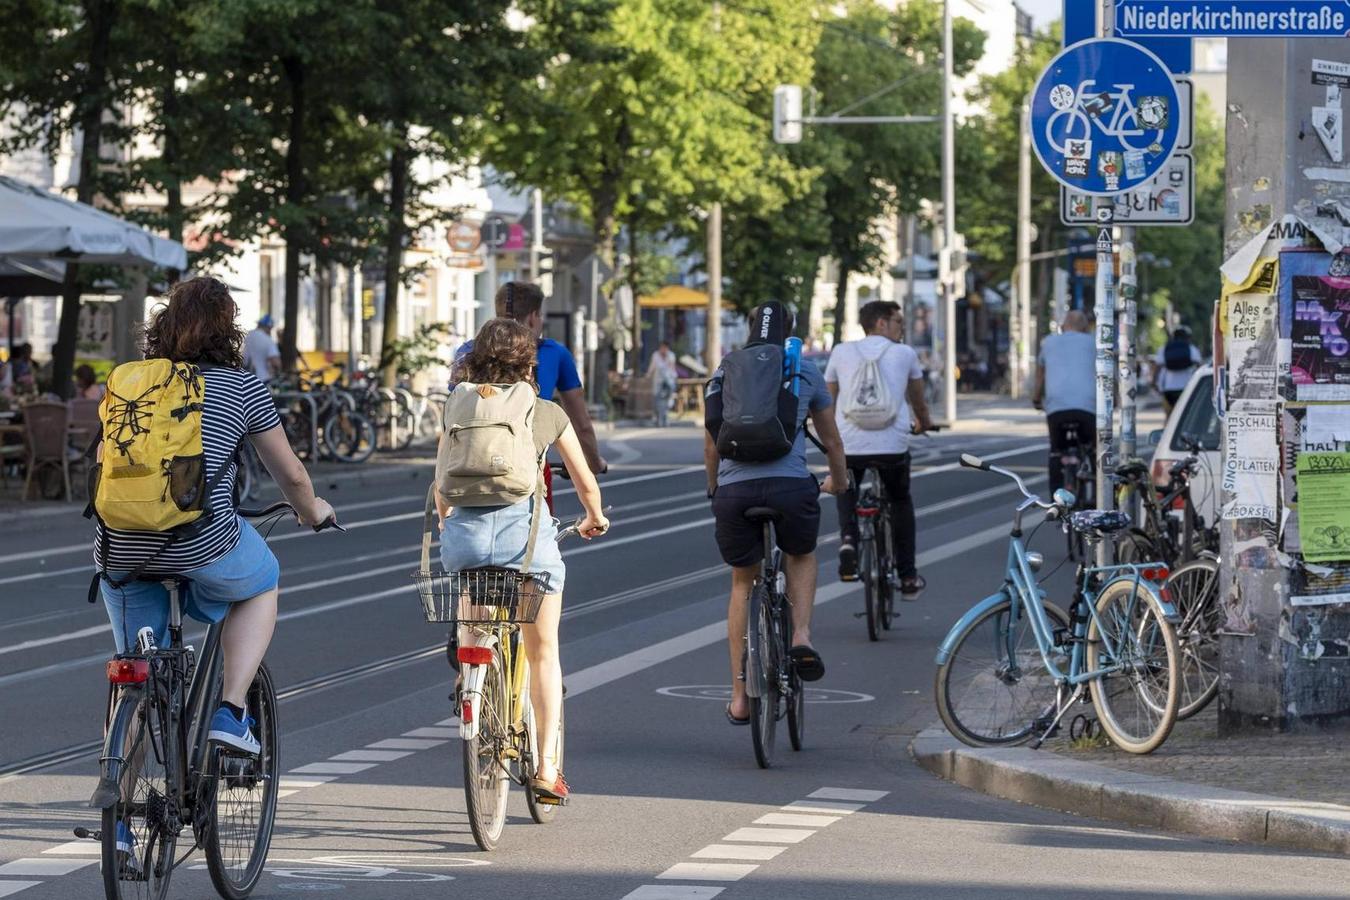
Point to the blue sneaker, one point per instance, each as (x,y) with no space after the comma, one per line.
(227,730)
(128,861)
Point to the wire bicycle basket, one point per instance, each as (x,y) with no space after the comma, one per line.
(481,595)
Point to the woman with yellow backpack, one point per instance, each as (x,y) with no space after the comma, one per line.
(163,489)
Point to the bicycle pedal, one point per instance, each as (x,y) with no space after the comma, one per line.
(550,801)
(85,834)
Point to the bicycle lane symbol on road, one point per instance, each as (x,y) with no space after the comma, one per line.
(328,871)
(1105,116)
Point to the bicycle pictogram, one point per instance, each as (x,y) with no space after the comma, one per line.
(1112,112)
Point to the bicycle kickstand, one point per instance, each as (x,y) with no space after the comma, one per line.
(1054,723)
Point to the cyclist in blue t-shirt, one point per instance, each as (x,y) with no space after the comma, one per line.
(556,372)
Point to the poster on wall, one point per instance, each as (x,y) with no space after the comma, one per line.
(1251,461)
(1315,313)
(1251,346)
(1324,506)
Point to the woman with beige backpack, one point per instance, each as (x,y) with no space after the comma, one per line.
(489,477)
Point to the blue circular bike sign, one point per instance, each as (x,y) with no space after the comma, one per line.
(1104,116)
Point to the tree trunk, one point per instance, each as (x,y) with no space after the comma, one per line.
(294,231)
(840,299)
(173,182)
(633,290)
(393,254)
(100,15)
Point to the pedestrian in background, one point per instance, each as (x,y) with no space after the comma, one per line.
(1174,365)
(1066,389)
(86,383)
(262,357)
(664,378)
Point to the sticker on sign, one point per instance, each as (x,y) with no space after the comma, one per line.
(1168,199)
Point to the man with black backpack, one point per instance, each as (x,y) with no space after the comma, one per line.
(756,408)
(1174,365)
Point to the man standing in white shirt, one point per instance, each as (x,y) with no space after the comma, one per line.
(262,357)
(874,421)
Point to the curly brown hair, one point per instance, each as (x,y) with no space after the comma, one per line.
(504,352)
(196,325)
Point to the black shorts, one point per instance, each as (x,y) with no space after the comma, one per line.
(741,541)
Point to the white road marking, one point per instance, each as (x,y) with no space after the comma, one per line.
(10,888)
(76,848)
(34,866)
(436,732)
(672,892)
(406,744)
(310,781)
(738,851)
(795,819)
(370,756)
(708,871)
(283,794)
(824,806)
(331,768)
(770,835)
(829,793)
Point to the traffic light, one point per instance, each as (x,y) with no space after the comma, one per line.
(787,114)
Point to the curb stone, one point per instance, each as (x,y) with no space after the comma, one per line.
(1045,779)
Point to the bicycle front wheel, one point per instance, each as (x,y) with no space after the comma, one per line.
(242,791)
(1194,590)
(764,708)
(349,437)
(1134,648)
(995,688)
(137,839)
(486,780)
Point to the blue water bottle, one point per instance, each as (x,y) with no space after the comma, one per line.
(792,364)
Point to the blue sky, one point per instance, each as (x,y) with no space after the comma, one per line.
(1043,11)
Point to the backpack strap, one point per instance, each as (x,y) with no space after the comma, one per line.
(540,501)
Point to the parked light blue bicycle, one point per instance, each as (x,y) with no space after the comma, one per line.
(1012,667)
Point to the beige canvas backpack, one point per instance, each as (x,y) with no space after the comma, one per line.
(487,455)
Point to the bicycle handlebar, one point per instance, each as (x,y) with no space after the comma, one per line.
(281,506)
(575,527)
(971,461)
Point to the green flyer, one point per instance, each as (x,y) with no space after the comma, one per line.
(1324,506)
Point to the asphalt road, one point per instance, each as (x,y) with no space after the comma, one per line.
(668,800)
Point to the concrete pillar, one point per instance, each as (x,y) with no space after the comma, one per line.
(1281,665)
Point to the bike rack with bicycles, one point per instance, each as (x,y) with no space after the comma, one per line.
(313,430)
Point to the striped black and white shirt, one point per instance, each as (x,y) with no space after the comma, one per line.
(234,403)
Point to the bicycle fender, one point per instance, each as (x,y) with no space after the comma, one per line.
(1169,609)
(949,642)
(109,789)
(471,692)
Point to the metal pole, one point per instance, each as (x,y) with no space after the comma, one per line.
(1020,317)
(714,287)
(1128,316)
(948,220)
(353,318)
(1105,312)
(537,236)
(591,326)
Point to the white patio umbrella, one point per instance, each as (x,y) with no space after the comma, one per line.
(36,224)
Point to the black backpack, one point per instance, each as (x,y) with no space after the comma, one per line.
(751,410)
(1177,356)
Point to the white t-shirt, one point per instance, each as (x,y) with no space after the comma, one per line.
(899,366)
(258,349)
(1176,379)
(1070,360)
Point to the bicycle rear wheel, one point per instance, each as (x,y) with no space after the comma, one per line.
(1139,691)
(869,570)
(887,567)
(242,792)
(995,688)
(486,780)
(796,699)
(137,839)
(763,708)
(1194,590)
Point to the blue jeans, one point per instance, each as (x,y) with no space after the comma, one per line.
(245,572)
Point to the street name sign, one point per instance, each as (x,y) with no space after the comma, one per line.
(1234,18)
(1105,117)
(1168,199)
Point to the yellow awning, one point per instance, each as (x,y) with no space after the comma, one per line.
(677,296)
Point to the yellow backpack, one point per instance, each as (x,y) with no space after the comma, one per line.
(152,476)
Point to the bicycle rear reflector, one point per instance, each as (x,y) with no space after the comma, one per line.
(868,512)
(128,671)
(474,656)
(1157,575)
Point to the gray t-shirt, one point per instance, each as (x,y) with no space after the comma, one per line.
(812,397)
(1070,361)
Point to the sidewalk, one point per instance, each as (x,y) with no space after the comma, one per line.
(1285,790)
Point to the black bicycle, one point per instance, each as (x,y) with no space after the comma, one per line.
(875,546)
(771,681)
(1080,479)
(1174,539)
(160,775)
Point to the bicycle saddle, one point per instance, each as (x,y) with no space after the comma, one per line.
(763,514)
(1100,522)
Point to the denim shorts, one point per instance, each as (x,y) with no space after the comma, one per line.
(477,536)
(245,572)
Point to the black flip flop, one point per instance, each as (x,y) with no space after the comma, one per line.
(735,721)
(807,662)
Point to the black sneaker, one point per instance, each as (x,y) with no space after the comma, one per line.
(848,562)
